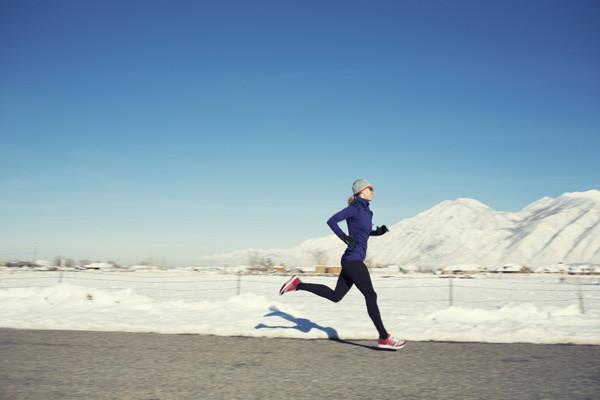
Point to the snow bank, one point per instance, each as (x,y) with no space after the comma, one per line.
(71,307)
(74,307)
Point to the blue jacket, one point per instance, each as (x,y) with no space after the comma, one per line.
(359,218)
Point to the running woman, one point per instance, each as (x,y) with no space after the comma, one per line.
(358,216)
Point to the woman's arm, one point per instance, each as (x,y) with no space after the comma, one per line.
(340,216)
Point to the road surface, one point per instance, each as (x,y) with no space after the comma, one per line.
(62,365)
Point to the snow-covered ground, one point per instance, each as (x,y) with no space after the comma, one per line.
(486,308)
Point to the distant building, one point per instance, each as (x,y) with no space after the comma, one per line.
(511,268)
(463,269)
(334,270)
(584,270)
(279,268)
(321,269)
(406,269)
(326,269)
(256,269)
(100,266)
(21,264)
(553,269)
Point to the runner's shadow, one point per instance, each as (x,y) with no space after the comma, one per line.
(302,324)
(366,346)
(306,325)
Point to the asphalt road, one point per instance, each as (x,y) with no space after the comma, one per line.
(66,365)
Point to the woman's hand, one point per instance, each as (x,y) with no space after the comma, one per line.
(380,230)
(350,241)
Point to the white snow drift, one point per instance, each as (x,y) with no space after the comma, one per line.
(535,309)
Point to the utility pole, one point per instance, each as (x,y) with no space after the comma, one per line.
(451,297)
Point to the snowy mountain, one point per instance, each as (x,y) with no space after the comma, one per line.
(548,231)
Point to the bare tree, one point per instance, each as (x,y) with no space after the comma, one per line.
(153,262)
(255,259)
(320,256)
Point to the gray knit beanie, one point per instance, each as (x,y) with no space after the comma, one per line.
(359,185)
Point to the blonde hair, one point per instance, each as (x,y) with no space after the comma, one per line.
(351,199)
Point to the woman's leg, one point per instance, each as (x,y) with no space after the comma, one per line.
(358,272)
(344,283)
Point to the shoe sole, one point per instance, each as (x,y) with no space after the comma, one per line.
(286,285)
(387,346)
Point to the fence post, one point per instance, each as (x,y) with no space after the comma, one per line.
(451,294)
(580,297)
(239,278)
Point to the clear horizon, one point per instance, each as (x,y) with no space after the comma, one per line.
(175,130)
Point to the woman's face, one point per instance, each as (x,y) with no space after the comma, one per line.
(367,193)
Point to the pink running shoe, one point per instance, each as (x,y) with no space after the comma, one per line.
(290,285)
(391,343)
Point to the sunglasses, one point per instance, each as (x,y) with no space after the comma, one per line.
(370,188)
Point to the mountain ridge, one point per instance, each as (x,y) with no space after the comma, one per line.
(464,231)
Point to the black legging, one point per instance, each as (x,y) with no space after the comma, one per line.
(353,272)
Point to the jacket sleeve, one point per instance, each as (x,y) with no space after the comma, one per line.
(340,216)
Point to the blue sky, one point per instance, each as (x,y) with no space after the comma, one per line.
(176,129)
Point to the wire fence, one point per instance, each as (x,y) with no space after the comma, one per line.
(452,291)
